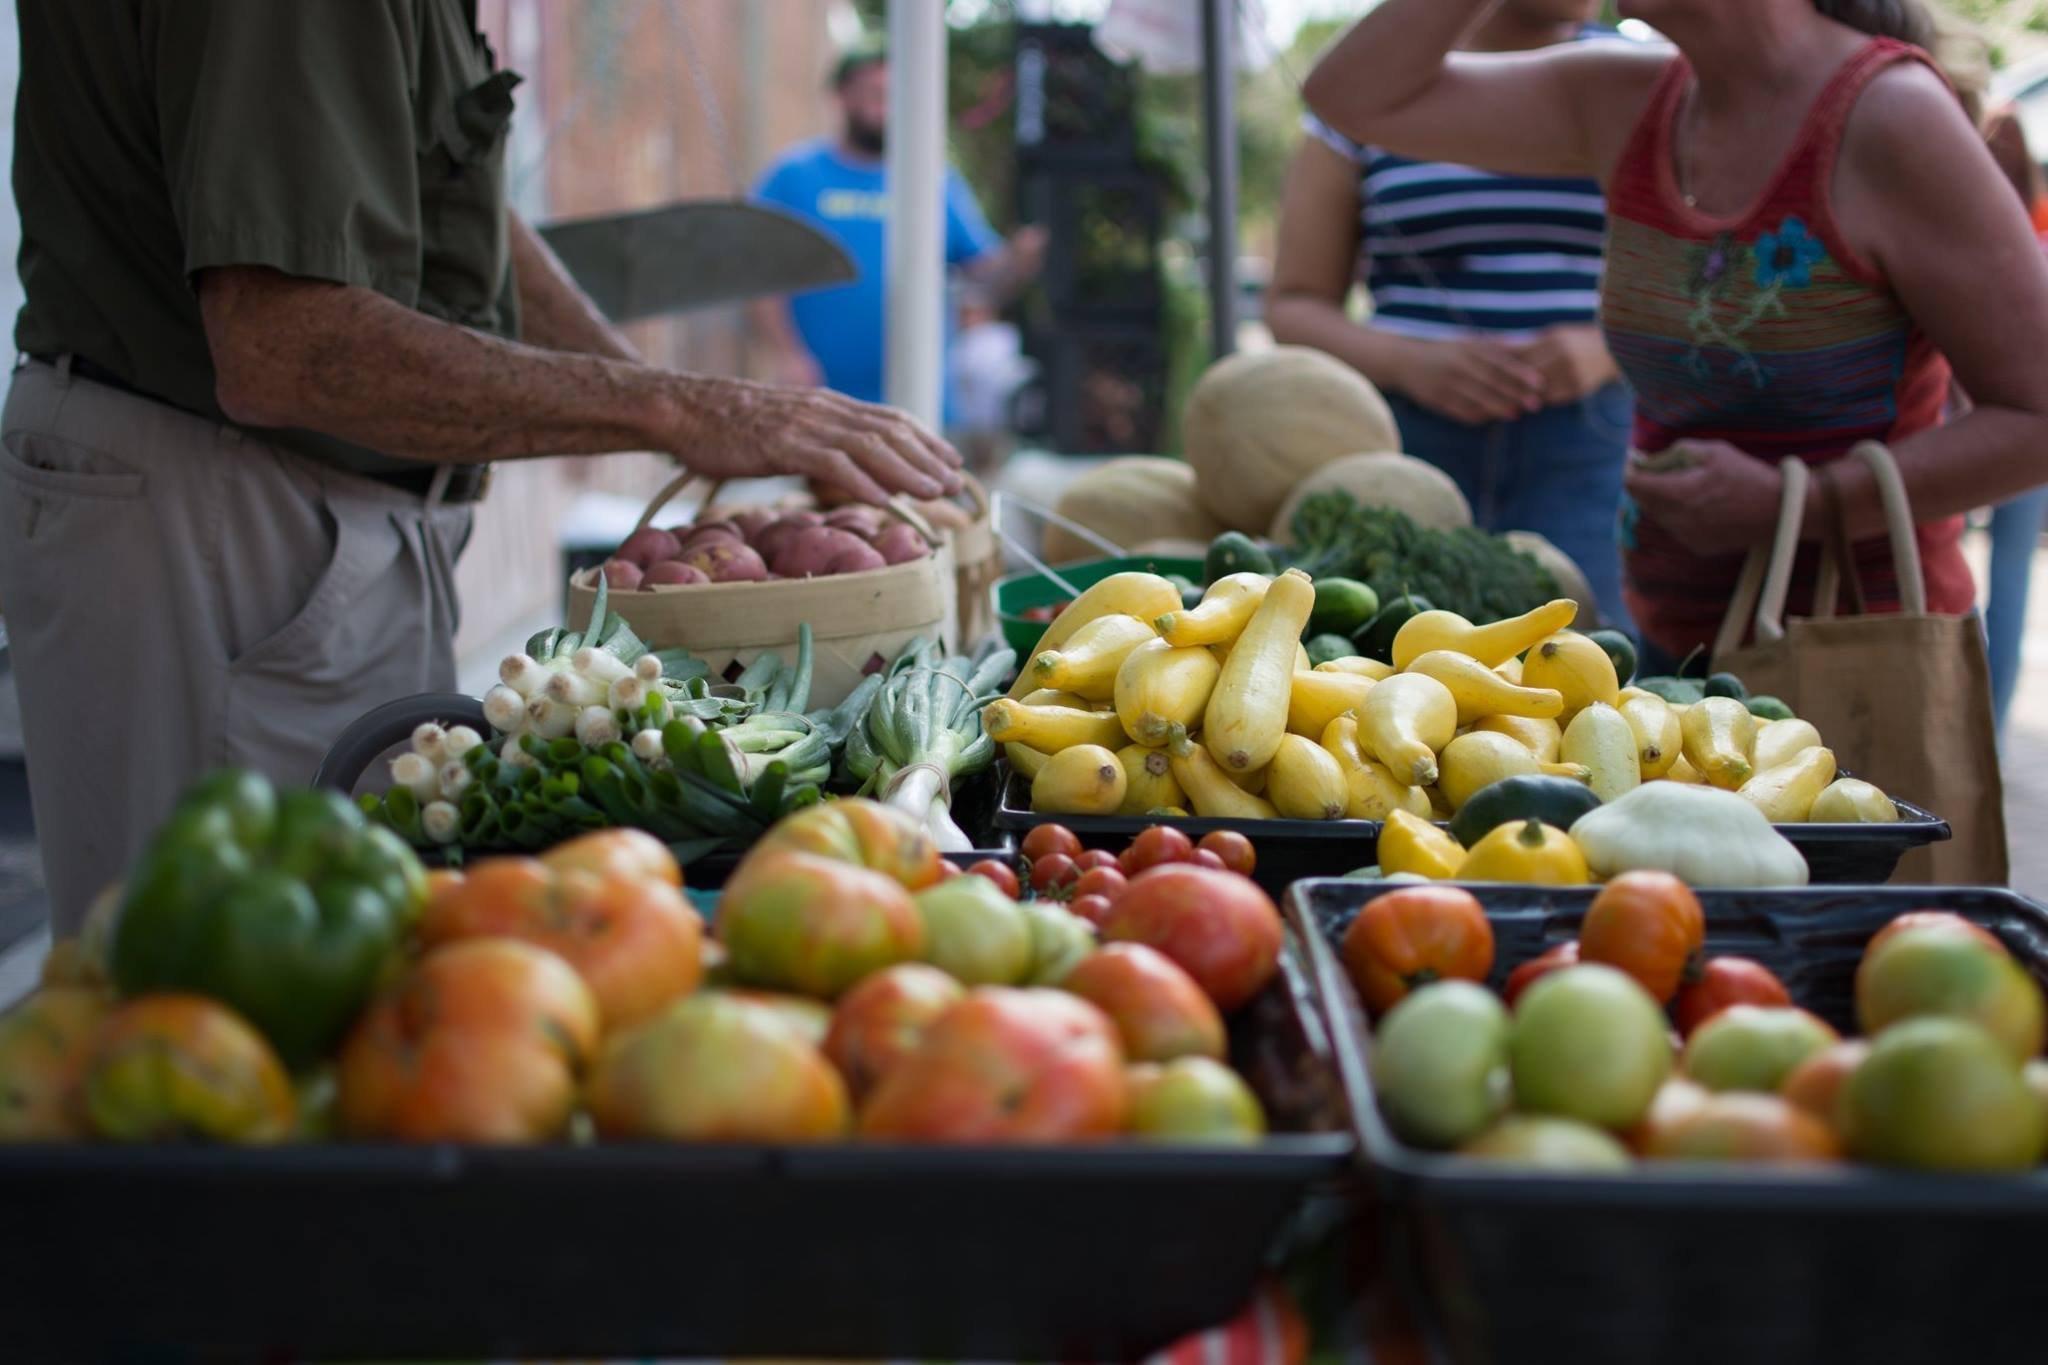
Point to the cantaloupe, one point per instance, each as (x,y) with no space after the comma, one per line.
(1570,581)
(1429,496)
(1260,422)
(1128,502)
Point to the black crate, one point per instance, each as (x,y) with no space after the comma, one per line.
(860,1251)
(1102,388)
(1693,1262)
(1102,262)
(1074,106)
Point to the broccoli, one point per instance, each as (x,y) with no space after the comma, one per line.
(1477,575)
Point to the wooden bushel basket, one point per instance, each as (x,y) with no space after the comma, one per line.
(858,621)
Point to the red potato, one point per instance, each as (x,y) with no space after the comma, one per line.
(649,546)
(862,520)
(900,544)
(751,521)
(769,541)
(709,535)
(673,571)
(727,561)
(622,574)
(811,552)
(862,560)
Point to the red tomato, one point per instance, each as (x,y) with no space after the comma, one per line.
(1209,858)
(1046,840)
(1054,875)
(1648,924)
(1106,882)
(1094,908)
(1001,874)
(1536,968)
(1413,936)
(1097,857)
(1233,848)
(1159,844)
(1725,981)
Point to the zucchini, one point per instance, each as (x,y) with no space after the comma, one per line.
(1726,685)
(1676,691)
(1375,640)
(1235,552)
(1323,648)
(1620,649)
(1769,708)
(1557,801)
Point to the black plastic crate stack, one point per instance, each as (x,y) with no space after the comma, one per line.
(1097,337)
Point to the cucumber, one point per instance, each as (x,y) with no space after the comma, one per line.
(1235,552)
(1556,801)
(1343,607)
(1190,594)
(1769,708)
(1727,685)
(1376,639)
(1620,649)
(1323,648)
(1677,691)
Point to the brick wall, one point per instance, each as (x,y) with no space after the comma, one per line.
(611,119)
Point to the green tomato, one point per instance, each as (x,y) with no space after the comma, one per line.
(1941,1094)
(1589,1044)
(1754,1047)
(1440,1063)
(1548,1143)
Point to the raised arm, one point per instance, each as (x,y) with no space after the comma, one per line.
(1395,82)
(348,362)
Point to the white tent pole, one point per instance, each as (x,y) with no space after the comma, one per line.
(916,279)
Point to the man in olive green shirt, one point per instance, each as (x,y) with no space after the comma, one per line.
(278,319)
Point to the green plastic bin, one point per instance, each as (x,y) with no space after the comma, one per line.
(1019,593)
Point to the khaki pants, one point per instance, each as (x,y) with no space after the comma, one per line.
(181,596)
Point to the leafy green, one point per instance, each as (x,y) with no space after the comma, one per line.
(1477,575)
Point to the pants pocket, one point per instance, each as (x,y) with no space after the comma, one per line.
(363,547)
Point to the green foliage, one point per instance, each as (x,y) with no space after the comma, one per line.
(1479,576)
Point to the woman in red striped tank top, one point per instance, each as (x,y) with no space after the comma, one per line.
(1805,233)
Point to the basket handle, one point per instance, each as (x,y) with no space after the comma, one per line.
(672,490)
(1073,528)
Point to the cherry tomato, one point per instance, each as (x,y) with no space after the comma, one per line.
(1097,857)
(1721,982)
(1209,858)
(1001,874)
(1159,844)
(1233,848)
(1046,840)
(1095,909)
(1106,882)
(1054,875)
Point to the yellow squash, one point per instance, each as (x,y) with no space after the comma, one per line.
(1050,729)
(1087,664)
(1304,782)
(1683,772)
(1406,722)
(1148,780)
(1357,665)
(1025,759)
(1480,758)
(1411,844)
(1253,781)
(1213,795)
(1315,699)
(1225,610)
(1655,727)
(1046,696)
(1512,671)
(1143,595)
(1602,740)
(1852,802)
(1160,687)
(1540,737)
(1480,692)
(1778,742)
(1373,790)
(1786,794)
(1577,772)
(1574,666)
(1529,852)
(1492,645)
(1247,712)
(1720,741)
(1084,780)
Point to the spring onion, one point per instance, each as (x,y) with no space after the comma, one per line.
(923,729)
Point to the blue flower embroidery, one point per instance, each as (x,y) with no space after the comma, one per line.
(1786,258)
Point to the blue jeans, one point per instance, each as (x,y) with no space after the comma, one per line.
(1555,472)
(2015,531)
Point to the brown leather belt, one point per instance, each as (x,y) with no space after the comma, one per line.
(467,483)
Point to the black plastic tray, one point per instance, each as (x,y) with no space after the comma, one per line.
(634,1251)
(1696,1262)
(1289,850)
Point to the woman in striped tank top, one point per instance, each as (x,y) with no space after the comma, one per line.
(1804,233)
(1483,334)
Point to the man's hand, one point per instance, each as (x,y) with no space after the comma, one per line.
(761,430)
(1027,253)
(1710,496)
(1474,381)
(1573,362)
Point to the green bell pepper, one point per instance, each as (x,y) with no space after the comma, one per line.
(287,906)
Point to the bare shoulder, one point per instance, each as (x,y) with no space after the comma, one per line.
(1906,115)
(1611,80)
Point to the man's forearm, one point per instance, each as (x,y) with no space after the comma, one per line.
(554,312)
(771,319)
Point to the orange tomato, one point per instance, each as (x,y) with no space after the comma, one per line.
(164,1067)
(1648,924)
(863,832)
(1721,982)
(1931,919)
(44,1042)
(634,938)
(1744,1126)
(1816,1083)
(1411,937)
(633,852)
(1233,848)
